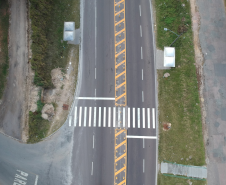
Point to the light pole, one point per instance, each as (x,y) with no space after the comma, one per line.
(166,29)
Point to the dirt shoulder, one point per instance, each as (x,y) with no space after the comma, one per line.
(13,106)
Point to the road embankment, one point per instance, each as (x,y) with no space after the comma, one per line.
(178,94)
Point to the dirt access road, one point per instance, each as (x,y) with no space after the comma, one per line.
(13,105)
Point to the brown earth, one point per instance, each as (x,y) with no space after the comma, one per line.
(199,62)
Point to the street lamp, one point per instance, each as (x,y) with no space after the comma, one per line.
(166,29)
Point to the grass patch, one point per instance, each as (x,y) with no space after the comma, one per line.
(48,48)
(38,127)
(49,51)
(4,59)
(178,94)
(178,181)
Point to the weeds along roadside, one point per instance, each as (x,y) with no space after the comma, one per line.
(48,50)
(178,94)
(4,29)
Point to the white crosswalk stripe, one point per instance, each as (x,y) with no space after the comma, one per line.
(94,117)
(80,116)
(85,113)
(138,117)
(134,118)
(109,116)
(148,111)
(124,117)
(99,125)
(104,118)
(114,114)
(90,116)
(143,117)
(75,117)
(128,117)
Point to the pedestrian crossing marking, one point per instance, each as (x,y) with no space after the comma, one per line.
(143,117)
(75,117)
(120,117)
(80,117)
(85,116)
(99,117)
(90,113)
(94,117)
(128,117)
(109,116)
(104,119)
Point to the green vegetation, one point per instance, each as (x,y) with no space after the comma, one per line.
(38,127)
(49,51)
(178,181)
(4,27)
(178,94)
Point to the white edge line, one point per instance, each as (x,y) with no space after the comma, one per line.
(36,180)
(153,117)
(94,98)
(156,83)
(141,137)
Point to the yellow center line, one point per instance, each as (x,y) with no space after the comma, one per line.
(122,143)
(124,83)
(119,22)
(119,12)
(123,155)
(116,99)
(120,63)
(120,31)
(116,173)
(120,74)
(121,41)
(124,181)
(118,133)
(119,2)
(120,52)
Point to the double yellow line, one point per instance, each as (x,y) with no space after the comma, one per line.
(120,53)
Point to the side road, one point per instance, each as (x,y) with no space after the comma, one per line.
(212,35)
(12,108)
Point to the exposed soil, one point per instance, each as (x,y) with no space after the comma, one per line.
(199,59)
(63,92)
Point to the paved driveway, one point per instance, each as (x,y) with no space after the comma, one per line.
(212,36)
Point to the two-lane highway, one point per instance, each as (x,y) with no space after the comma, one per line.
(83,152)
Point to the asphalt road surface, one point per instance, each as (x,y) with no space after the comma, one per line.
(82,151)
